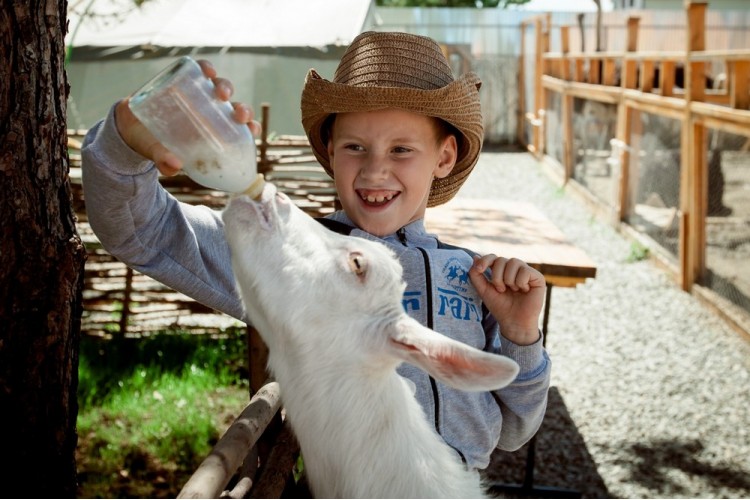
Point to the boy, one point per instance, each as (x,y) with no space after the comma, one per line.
(397,133)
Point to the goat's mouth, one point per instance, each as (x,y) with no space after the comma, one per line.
(265,213)
(262,212)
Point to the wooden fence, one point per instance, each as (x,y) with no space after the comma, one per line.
(645,82)
(121,301)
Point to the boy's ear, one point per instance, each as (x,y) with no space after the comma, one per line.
(448,156)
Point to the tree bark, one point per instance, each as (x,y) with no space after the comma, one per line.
(41,256)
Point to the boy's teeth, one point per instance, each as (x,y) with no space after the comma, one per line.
(378,199)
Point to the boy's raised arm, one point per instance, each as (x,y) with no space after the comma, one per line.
(141,224)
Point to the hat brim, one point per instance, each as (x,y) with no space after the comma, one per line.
(456,103)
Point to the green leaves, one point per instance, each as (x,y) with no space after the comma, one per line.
(479,4)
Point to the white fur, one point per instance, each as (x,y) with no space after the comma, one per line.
(329,309)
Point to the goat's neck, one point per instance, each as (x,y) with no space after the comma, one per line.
(365,435)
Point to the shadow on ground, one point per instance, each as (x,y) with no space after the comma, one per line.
(671,468)
(563,466)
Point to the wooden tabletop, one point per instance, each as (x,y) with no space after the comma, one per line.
(512,229)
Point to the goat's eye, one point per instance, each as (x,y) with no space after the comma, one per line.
(357,263)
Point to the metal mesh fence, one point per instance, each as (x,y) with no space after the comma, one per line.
(594,126)
(499,94)
(553,140)
(653,198)
(728,221)
(654,179)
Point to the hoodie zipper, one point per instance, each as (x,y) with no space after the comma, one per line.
(401,234)
(430,325)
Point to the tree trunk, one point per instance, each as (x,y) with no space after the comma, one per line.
(41,257)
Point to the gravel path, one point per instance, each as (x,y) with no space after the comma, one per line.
(649,388)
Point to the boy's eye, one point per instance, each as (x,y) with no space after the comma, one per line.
(354,147)
(401,150)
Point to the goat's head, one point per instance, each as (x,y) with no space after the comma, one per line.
(338,296)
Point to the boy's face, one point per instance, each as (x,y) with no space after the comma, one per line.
(383,164)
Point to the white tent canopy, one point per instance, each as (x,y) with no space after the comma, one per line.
(225,24)
(264,46)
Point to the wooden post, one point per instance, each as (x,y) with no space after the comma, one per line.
(538,88)
(695,75)
(521,119)
(693,171)
(127,295)
(632,40)
(739,84)
(647,76)
(629,66)
(263,166)
(625,121)
(609,71)
(567,134)
(547,27)
(257,354)
(623,134)
(567,106)
(666,78)
(565,48)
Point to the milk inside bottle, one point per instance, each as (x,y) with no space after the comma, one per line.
(179,107)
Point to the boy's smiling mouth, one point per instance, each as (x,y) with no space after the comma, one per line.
(377,197)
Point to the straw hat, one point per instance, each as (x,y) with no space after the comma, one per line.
(398,70)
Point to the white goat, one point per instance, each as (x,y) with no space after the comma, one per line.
(329,309)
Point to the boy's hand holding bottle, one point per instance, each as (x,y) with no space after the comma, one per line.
(141,140)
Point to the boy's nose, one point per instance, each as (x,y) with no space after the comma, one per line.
(375,167)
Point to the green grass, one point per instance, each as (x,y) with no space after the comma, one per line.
(152,408)
(638,252)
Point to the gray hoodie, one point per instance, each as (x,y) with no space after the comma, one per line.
(183,247)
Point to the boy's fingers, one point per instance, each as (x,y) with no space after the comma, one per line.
(517,275)
(166,162)
(245,114)
(255,127)
(480,281)
(481,264)
(224,88)
(242,112)
(207,68)
(512,273)
(522,278)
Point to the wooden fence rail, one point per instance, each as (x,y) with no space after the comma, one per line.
(237,451)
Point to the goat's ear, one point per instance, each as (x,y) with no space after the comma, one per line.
(452,362)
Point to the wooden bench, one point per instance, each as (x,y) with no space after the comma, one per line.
(512,229)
